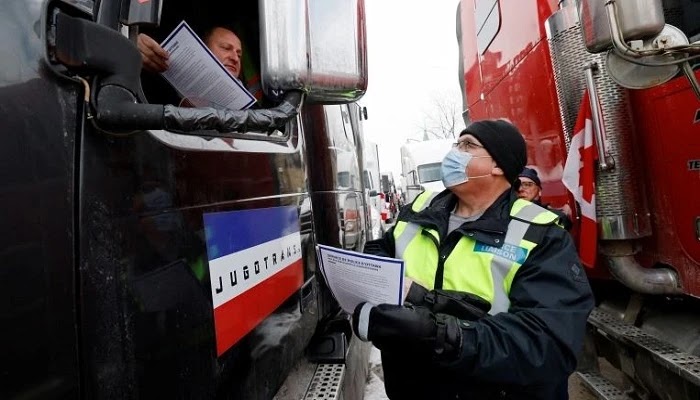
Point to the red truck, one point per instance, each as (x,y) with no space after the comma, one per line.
(532,62)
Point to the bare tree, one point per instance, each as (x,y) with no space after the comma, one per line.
(443,120)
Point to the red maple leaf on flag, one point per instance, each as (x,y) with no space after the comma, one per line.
(579,179)
(587,175)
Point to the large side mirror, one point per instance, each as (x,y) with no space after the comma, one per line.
(318,46)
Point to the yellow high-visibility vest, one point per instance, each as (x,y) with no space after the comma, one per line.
(484,270)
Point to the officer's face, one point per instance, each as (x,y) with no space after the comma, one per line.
(226,47)
(528,189)
(481,164)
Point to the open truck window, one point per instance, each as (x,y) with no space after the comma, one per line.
(203,16)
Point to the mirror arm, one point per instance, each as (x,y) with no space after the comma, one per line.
(87,47)
(118,111)
(180,119)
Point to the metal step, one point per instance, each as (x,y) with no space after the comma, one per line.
(601,387)
(326,383)
(685,365)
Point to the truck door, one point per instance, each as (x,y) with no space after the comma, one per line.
(40,126)
(195,271)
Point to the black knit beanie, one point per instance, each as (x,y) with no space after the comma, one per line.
(504,143)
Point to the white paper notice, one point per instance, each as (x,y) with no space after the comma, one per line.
(198,76)
(356,277)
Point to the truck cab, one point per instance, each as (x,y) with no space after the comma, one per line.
(373,185)
(420,166)
(156,251)
(635,62)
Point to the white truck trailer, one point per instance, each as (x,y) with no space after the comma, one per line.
(420,166)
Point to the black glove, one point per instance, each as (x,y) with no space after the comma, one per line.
(390,326)
(464,306)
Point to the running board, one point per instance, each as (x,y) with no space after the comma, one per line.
(601,387)
(326,383)
(677,362)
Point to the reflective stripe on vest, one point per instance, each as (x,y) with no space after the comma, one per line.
(473,267)
(405,232)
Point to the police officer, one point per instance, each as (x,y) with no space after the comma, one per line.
(531,190)
(499,301)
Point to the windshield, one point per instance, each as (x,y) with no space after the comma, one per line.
(344,179)
(429,173)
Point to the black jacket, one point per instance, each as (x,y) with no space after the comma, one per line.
(564,219)
(526,353)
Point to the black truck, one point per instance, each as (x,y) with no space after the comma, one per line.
(155,251)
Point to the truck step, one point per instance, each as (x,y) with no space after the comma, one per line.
(670,357)
(601,387)
(326,382)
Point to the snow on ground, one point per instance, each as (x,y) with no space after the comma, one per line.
(375,381)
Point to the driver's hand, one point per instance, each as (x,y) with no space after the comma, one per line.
(155,58)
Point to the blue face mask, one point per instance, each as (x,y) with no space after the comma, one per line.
(454,168)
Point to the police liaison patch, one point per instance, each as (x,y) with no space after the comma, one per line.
(508,251)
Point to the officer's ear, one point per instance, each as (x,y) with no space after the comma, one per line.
(496,170)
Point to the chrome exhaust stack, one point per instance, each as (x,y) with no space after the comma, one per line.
(625,268)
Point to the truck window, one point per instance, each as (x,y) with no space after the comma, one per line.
(344,179)
(488,22)
(429,173)
(241,19)
(343,144)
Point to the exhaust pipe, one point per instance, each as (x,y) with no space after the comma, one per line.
(625,268)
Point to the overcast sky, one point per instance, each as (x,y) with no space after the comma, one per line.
(413,59)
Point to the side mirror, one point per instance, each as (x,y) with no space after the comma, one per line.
(317,46)
(373,193)
(364,112)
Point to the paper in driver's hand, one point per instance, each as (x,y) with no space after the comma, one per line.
(355,277)
(198,76)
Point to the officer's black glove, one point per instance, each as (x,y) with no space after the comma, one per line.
(464,306)
(390,326)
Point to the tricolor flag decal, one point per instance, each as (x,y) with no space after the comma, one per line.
(255,264)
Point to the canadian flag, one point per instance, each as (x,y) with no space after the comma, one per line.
(579,178)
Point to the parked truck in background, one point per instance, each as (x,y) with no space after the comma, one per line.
(152,251)
(532,62)
(391,196)
(420,166)
(372,177)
